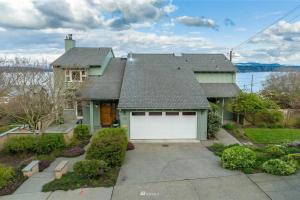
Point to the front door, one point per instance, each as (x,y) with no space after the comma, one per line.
(106,114)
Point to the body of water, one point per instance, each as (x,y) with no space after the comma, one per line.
(243,80)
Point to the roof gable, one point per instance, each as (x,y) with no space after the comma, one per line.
(82,57)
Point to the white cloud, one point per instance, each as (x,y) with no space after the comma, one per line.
(79,14)
(197,22)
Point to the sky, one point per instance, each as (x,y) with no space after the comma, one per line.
(37,28)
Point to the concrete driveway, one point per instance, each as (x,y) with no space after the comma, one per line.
(180,171)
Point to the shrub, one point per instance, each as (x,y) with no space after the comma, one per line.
(22,144)
(109,145)
(81,132)
(229,126)
(6,174)
(275,150)
(130,146)
(270,118)
(73,152)
(90,168)
(278,167)
(213,124)
(218,148)
(50,142)
(238,157)
(291,160)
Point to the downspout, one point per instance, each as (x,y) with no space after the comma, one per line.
(222,111)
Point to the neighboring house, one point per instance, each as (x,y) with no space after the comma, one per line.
(154,96)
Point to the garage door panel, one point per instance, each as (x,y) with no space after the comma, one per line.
(163,127)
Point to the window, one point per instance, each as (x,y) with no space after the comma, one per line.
(155,113)
(172,113)
(138,113)
(69,104)
(75,75)
(188,113)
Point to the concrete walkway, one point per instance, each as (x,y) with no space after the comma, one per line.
(180,171)
(222,137)
(36,182)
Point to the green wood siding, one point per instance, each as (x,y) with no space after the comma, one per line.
(125,121)
(202,124)
(97,71)
(96,115)
(215,77)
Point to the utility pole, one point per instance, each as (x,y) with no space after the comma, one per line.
(251,83)
(230,55)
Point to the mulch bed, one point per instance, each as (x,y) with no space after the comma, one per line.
(12,185)
(43,164)
(73,152)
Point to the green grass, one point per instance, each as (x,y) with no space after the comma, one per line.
(272,135)
(72,181)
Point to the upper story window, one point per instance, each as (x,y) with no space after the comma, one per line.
(75,75)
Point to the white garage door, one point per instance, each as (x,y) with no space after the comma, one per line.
(163,125)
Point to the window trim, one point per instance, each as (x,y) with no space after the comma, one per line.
(189,113)
(138,113)
(69,75)
(170,113)
(155,113)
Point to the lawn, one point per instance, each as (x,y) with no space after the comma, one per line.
(272,136)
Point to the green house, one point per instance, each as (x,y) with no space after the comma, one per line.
(154,96)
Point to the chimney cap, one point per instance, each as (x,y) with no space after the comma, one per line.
(69,36)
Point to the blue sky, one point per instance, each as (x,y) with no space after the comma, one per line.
(36,28)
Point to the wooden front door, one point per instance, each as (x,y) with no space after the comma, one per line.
(106,113)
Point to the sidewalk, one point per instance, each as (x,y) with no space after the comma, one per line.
(222,137)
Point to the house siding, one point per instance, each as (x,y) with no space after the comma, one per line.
(216,77)
(202,124)
(98,71)
(96,116)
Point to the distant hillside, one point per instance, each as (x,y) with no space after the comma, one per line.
(261,67)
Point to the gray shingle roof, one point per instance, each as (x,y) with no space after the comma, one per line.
(82,57)
(208,63)
(220,89)
(108,85)
(159,81)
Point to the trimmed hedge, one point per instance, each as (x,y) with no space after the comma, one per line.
(238,157)
(22,144)
(44,144)
(50,142)
(81,132)
(278,167)
(6,174)
(90,168)
(109,145)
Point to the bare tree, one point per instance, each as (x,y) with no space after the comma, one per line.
(39,95)
(284,89)
(37,99)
